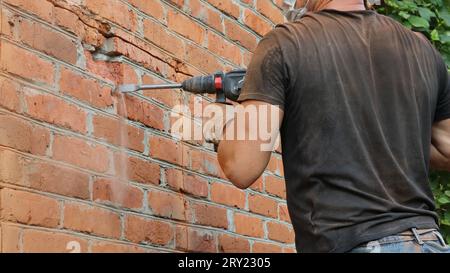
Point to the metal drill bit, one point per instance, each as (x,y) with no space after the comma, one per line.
(131,88)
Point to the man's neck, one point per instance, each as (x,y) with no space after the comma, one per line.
(346,5)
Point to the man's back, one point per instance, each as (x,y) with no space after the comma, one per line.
(359,94)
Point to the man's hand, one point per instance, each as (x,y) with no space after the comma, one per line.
(440,148)
(215,118)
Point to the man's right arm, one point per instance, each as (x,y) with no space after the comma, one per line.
(440,146)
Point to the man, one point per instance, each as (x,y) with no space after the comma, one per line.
(361,99)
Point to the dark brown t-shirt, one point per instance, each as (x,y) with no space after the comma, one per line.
(360,94)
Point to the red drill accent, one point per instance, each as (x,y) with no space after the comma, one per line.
(218,83)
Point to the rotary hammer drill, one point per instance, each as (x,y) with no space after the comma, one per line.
(224,85)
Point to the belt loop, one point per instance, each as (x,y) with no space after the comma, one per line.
(441,239)
(417,236)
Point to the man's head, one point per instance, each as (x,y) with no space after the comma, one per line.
(313,5)
(318,5)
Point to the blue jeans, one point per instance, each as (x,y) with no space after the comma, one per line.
(412,241)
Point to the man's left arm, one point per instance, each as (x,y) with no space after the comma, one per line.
(244,157)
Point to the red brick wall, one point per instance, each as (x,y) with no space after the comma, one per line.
(82,170)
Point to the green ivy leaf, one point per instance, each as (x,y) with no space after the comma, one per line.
(444,200)
(435,35)
(445,15)
(404,14)
(426,14)
(418,22)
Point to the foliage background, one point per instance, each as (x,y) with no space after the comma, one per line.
(432,18)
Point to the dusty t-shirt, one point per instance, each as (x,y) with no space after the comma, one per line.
(360,94)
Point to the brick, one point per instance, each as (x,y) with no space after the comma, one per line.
(85,89)
(258,185)
(44,39)
(29,208)
(255,22)
(283,213)
(109,129)
(109,247)
(232,244)
(91,220)
(142,53)
(23,135)
(275,186)
(67,20)
(13,168)
(141,230)
(48,177)
(262,205)
(167,205)
(237,34)
(206,14)
(185,26)
(81,153)
(194,240)
(210,215)
(6,23)
(25,64)
(10,93)
(117,193)
(247,58)
(228,7)
(43,9)
(219,45)
(118,133)
(195,185)
(37,241)
(205,162)
(280,232)
(134,138)
(248,225)
(268,9)
(143,112)
(260,247)
(10,238)
(227,195)
(158,34)
(153,8)
(275,165)
(178,3)
(54,110)
(202,59)
(44,176)
(114,10)
(137,169)
(166,149)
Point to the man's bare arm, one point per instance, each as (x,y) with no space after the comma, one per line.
(243,161)
(440,146)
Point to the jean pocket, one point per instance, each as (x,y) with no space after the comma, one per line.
(435,247)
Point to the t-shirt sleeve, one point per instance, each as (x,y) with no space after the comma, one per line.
(266,78)
(443,103)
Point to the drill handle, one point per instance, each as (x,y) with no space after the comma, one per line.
(233,82)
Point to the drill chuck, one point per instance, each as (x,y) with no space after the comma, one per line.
(200,85)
